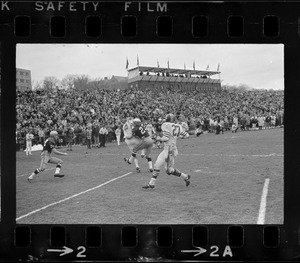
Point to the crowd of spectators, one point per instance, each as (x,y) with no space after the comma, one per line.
(41,111)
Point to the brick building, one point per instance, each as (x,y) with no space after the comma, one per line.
(23,79)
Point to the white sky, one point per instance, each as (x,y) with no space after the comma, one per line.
(256,65)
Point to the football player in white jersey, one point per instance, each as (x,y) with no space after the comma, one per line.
(171,132)
(131,140)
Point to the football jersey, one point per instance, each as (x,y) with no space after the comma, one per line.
(127,129)
(48,145)
(158,127)
(140,132)
(149,129)
(172,131)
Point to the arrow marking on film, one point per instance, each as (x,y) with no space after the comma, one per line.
(65,251)
(198,252)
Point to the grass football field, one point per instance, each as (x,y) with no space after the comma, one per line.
(236,178)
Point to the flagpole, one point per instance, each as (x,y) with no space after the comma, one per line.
(127,63)
(220,76)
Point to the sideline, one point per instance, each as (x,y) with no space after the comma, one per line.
(72,196)
(263,203)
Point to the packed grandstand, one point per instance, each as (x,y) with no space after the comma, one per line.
(40,111)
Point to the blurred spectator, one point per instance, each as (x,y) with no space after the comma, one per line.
(95,132)
(103,132)
(48,109)
(261,122)
(89,136)
(70,137)
(41,134)
(118,134)
(29,138)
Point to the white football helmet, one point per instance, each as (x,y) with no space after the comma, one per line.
(136,122)
(53,133)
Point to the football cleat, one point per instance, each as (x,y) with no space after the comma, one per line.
(138,170)
(187,181)
(127,160)
(59,175)
(29,179)
(142,155)
(151,170)
(147,186)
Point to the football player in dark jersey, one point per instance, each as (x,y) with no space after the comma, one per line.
(49,147)
(146,143)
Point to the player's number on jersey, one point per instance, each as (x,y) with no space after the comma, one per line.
(176,130)
(142,130)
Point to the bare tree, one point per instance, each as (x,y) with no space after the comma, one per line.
(50,82)
(37,84)
(81,81)
(69,80)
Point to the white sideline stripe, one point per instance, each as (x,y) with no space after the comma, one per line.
(29,174)
(263,203)
(72,196)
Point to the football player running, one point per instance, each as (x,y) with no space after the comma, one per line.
(171,132)
(49,147)
(131,140)
(145,144)
(158,132)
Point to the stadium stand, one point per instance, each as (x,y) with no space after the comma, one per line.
(44,110)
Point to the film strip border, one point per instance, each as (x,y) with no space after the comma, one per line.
(148,243)
(149,22)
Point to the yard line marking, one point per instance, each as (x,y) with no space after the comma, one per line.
(263,203)
(29,174)
(200,169)
(72,196)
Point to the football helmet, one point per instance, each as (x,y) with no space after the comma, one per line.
(137,122)
(170,117)
(53,133)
